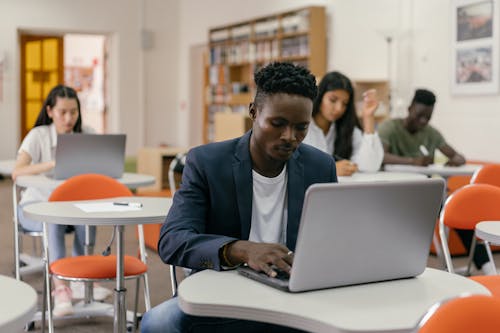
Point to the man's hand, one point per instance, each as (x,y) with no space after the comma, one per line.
(422,160)
(261,256)
(456,160)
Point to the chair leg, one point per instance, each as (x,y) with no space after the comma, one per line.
(47,277)
(17,241)
(490,254)
(136,303)
(472,251)
(173,280)
(44,304)
(147,297)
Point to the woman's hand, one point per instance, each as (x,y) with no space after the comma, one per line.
(370,104)
(24,167)
(346,168)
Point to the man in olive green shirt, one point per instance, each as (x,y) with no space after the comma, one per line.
(412,140)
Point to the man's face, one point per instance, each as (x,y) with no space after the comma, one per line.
(419,116)
(280,124)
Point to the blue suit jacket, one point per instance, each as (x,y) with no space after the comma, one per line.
(214,203)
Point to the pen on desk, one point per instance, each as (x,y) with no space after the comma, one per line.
(130,204)
(423,150)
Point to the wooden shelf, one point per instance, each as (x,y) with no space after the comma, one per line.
(237,50)
(155,161)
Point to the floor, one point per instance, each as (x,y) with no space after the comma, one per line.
(158,272)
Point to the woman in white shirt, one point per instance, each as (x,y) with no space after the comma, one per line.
(336,130)
(60,114)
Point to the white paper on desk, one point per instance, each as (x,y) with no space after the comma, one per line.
(100,207)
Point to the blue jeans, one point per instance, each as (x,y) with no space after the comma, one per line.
(56,232)
(167,317)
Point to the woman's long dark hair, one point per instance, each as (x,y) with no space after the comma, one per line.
(344,126)
(58,91)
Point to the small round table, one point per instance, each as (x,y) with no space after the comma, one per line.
(489,232)
(18,305)
(154,210)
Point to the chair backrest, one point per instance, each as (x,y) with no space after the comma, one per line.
(455,182)
(488,174)
(478,314)
(470,205)
(176,167)
(89,187)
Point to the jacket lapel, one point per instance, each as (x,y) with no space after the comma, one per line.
(242,171)
(295,198)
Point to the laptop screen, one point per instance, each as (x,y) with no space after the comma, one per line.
(89,153)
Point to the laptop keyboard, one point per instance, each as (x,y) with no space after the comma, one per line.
(281,275)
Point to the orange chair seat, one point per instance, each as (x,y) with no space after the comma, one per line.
(491,282)
(96,267)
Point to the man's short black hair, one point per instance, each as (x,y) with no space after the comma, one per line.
(424,96)
(283,77)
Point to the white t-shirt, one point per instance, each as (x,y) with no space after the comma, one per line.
(367,149)
(40,143)
(269,208)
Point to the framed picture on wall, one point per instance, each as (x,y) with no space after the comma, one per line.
(474,47)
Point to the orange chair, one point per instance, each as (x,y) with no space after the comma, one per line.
(477,314)
(463,210)
(91,268)
(488,174)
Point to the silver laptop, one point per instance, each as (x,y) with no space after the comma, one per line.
(89,153)
(361,232)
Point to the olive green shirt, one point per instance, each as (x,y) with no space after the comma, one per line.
(402,143)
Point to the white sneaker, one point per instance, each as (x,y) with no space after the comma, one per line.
(489,268)
(62,301)
(462,270)
(100,293)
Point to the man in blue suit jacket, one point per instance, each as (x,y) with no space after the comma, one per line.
(241,200)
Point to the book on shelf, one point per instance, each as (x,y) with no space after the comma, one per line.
(219,35)
(296,22)
(241,32)
(266,28)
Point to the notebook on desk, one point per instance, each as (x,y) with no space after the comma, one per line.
(361,232)
(89,153)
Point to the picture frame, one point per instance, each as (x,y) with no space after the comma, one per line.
(474,50)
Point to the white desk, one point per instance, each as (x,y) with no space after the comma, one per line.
(154,210)
(394,306)
(489,231)
(434,169)
(380,176)
(6,167)
(17,305)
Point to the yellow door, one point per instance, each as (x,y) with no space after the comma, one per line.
(42,67)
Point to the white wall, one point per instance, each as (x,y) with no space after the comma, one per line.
(470,123)
(129,66)
(150,92)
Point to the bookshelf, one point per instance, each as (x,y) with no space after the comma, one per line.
(236,51)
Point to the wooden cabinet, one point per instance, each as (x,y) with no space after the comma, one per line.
(237,50)
(155,161)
